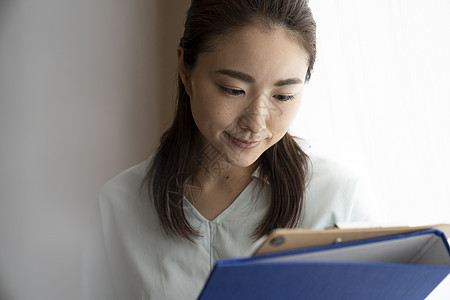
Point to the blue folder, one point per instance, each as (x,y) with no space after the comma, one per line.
(404,266)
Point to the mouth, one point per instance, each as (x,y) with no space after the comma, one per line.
(244,144)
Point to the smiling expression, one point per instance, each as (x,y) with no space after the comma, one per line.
(246,92)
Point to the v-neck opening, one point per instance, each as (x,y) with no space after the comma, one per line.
(238,201)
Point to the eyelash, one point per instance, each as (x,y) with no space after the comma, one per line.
(284,98)
(232,92)
(236,92)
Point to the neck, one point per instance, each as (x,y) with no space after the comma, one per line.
(212,195)
(223,175)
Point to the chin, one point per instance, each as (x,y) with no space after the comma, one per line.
(242,160)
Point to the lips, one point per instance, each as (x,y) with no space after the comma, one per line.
(244,144)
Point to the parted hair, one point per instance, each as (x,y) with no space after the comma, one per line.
(284,165)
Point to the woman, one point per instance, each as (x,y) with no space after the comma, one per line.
(226,172)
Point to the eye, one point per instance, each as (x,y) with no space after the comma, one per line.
(232,92)
(283,98)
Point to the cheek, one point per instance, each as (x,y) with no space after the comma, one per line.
(292,114)
(210,111)
(294,109)
(285,119)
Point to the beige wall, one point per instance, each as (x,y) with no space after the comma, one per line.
(86,88)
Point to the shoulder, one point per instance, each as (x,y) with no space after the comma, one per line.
(326,172)
(126,187)
(125,206)
(334,194)
(127,180)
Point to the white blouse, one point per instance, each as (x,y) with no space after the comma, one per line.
(129,257)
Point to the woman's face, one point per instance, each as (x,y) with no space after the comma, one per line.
(246,92)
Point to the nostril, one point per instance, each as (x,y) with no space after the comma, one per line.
(253,123)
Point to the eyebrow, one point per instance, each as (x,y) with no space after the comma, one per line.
(247,78)
(236,74)
(288,82)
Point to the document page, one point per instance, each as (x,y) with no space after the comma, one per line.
(425,249)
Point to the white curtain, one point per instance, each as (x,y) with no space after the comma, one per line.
(378,101)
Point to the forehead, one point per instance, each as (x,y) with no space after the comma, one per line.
(257,50)
(249,30)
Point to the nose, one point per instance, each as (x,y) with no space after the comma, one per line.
(255,115)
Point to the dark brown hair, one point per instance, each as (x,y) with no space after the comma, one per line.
(284,166)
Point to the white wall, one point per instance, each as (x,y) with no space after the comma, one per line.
(85,91)
(379,100)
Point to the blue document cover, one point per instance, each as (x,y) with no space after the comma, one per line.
(407,266)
